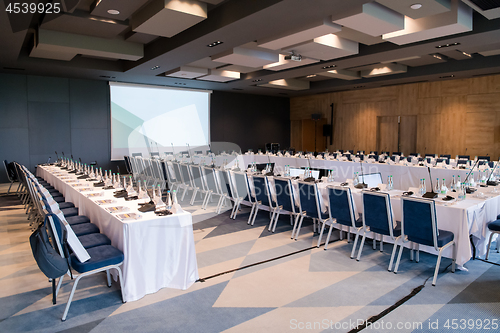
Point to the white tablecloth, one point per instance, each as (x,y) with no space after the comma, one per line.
(159,251)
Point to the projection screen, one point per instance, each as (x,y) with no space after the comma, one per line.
(154,119)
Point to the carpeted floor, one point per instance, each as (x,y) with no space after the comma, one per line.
(253,280)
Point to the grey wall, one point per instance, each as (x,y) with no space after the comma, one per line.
(41,115)
(250,121)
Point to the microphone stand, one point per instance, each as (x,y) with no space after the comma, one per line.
(308,179)
(492,182)
(431,194)
(468,189)
(361,185)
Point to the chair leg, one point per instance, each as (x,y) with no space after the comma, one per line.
(271,223)
(120,276)
(251,213)
(417,256)
(8,191)
(276,219)
(402,246)
(454,262)
(59,283)
(295,224)
(436,270)
(71,297)
(374,241)
(381,243)
(394,249)
(361,245)
(355,243)
(298,227)
(489,244)
(108,277)
(255,214)
(321,232)
(328,237)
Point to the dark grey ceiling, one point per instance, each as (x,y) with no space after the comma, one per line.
(235,23)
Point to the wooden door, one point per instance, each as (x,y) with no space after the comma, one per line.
(387,134)
(312,135)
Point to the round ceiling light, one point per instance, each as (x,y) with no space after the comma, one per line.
(113,12)
(416,6)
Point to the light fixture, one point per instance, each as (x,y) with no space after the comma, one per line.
(466,54)
(331,66)
(447,45)
(155,67)
(113,11)
(437,56)
(257,80)
(358,87)
(447,76)
(310,76)
(416,6)
(215,43)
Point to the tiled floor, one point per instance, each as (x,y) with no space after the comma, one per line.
(254,281)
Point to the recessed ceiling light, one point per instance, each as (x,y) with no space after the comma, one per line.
(257,80)
(215,43)
(447,76)
(331,66)
(310,76)
(113,11)
(467,54)
(437,56)
(416,6)
(447,45)
(155,67)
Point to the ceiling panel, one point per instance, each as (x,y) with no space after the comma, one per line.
(373,19)
(125,7)
(187,72)
(457,20)
(285,64)
(429,7)
(289,84)
(218,75)
(421,61)
(490,14)
(490,53)
(456,54)
(206,63)
(168,17)
(342,74)
(83,24)
(384,69)
(238,68)
(246,57)
(137,37)
(359,37)
(326,47)
(301,34)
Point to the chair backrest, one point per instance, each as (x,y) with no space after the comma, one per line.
(377,212)
(441,160)
(484,158)
(226,185)
(9,175)
(341,205)
(186,176)
(419,221)
(241,186)
(210,179)
(430,155)
(462,161)
(177,172)
(284,194)
(396,153)
(136,154)
(198,181)
(128,166)
(261,190)
(309,200)
(445,156)
(464,157)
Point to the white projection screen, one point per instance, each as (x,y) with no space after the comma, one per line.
(154,119)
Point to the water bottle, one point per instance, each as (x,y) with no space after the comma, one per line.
(444,189)
(461,192)
(392,183)
(355,179)
(459,183)
(453,184)
(389,183)
(424,185)
(437,187)
(174,198)
(421,187)
(168,200)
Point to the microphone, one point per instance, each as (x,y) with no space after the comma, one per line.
(71,156)
(62,153)
(270,173)
(57,156)
(361,185)
(189,154)
(48,161)
(173,152)
(431,194)
(158,149)
(80,159)
(470,190)
(492,182)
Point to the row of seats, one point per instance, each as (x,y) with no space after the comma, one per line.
(46,205)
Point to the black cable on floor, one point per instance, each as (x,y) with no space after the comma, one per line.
(489,262)
(393,307)
(262,262)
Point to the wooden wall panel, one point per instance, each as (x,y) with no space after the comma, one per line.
(387,134)
(448,114)
(408,134)
(295,134)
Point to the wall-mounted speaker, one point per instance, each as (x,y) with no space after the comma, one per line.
(316,116)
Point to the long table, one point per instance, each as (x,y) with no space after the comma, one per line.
(159,251)
(465,218)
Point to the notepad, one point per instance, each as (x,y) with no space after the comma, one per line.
(129,217)
(85,189)
(93,195)
(105,201)
(117,209)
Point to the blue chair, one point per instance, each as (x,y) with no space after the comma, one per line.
(397,153)
(442,160)
(463,157)
(309,207)
(484,158)
(378,218)
(341,212)
(241,192)
(448,156)
(419,225)
(285,201)
(494,228)
(261,196)
(462,162)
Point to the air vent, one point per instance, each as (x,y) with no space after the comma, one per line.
(486,4)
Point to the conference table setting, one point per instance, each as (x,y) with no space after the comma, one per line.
(158,250)
(464,217)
